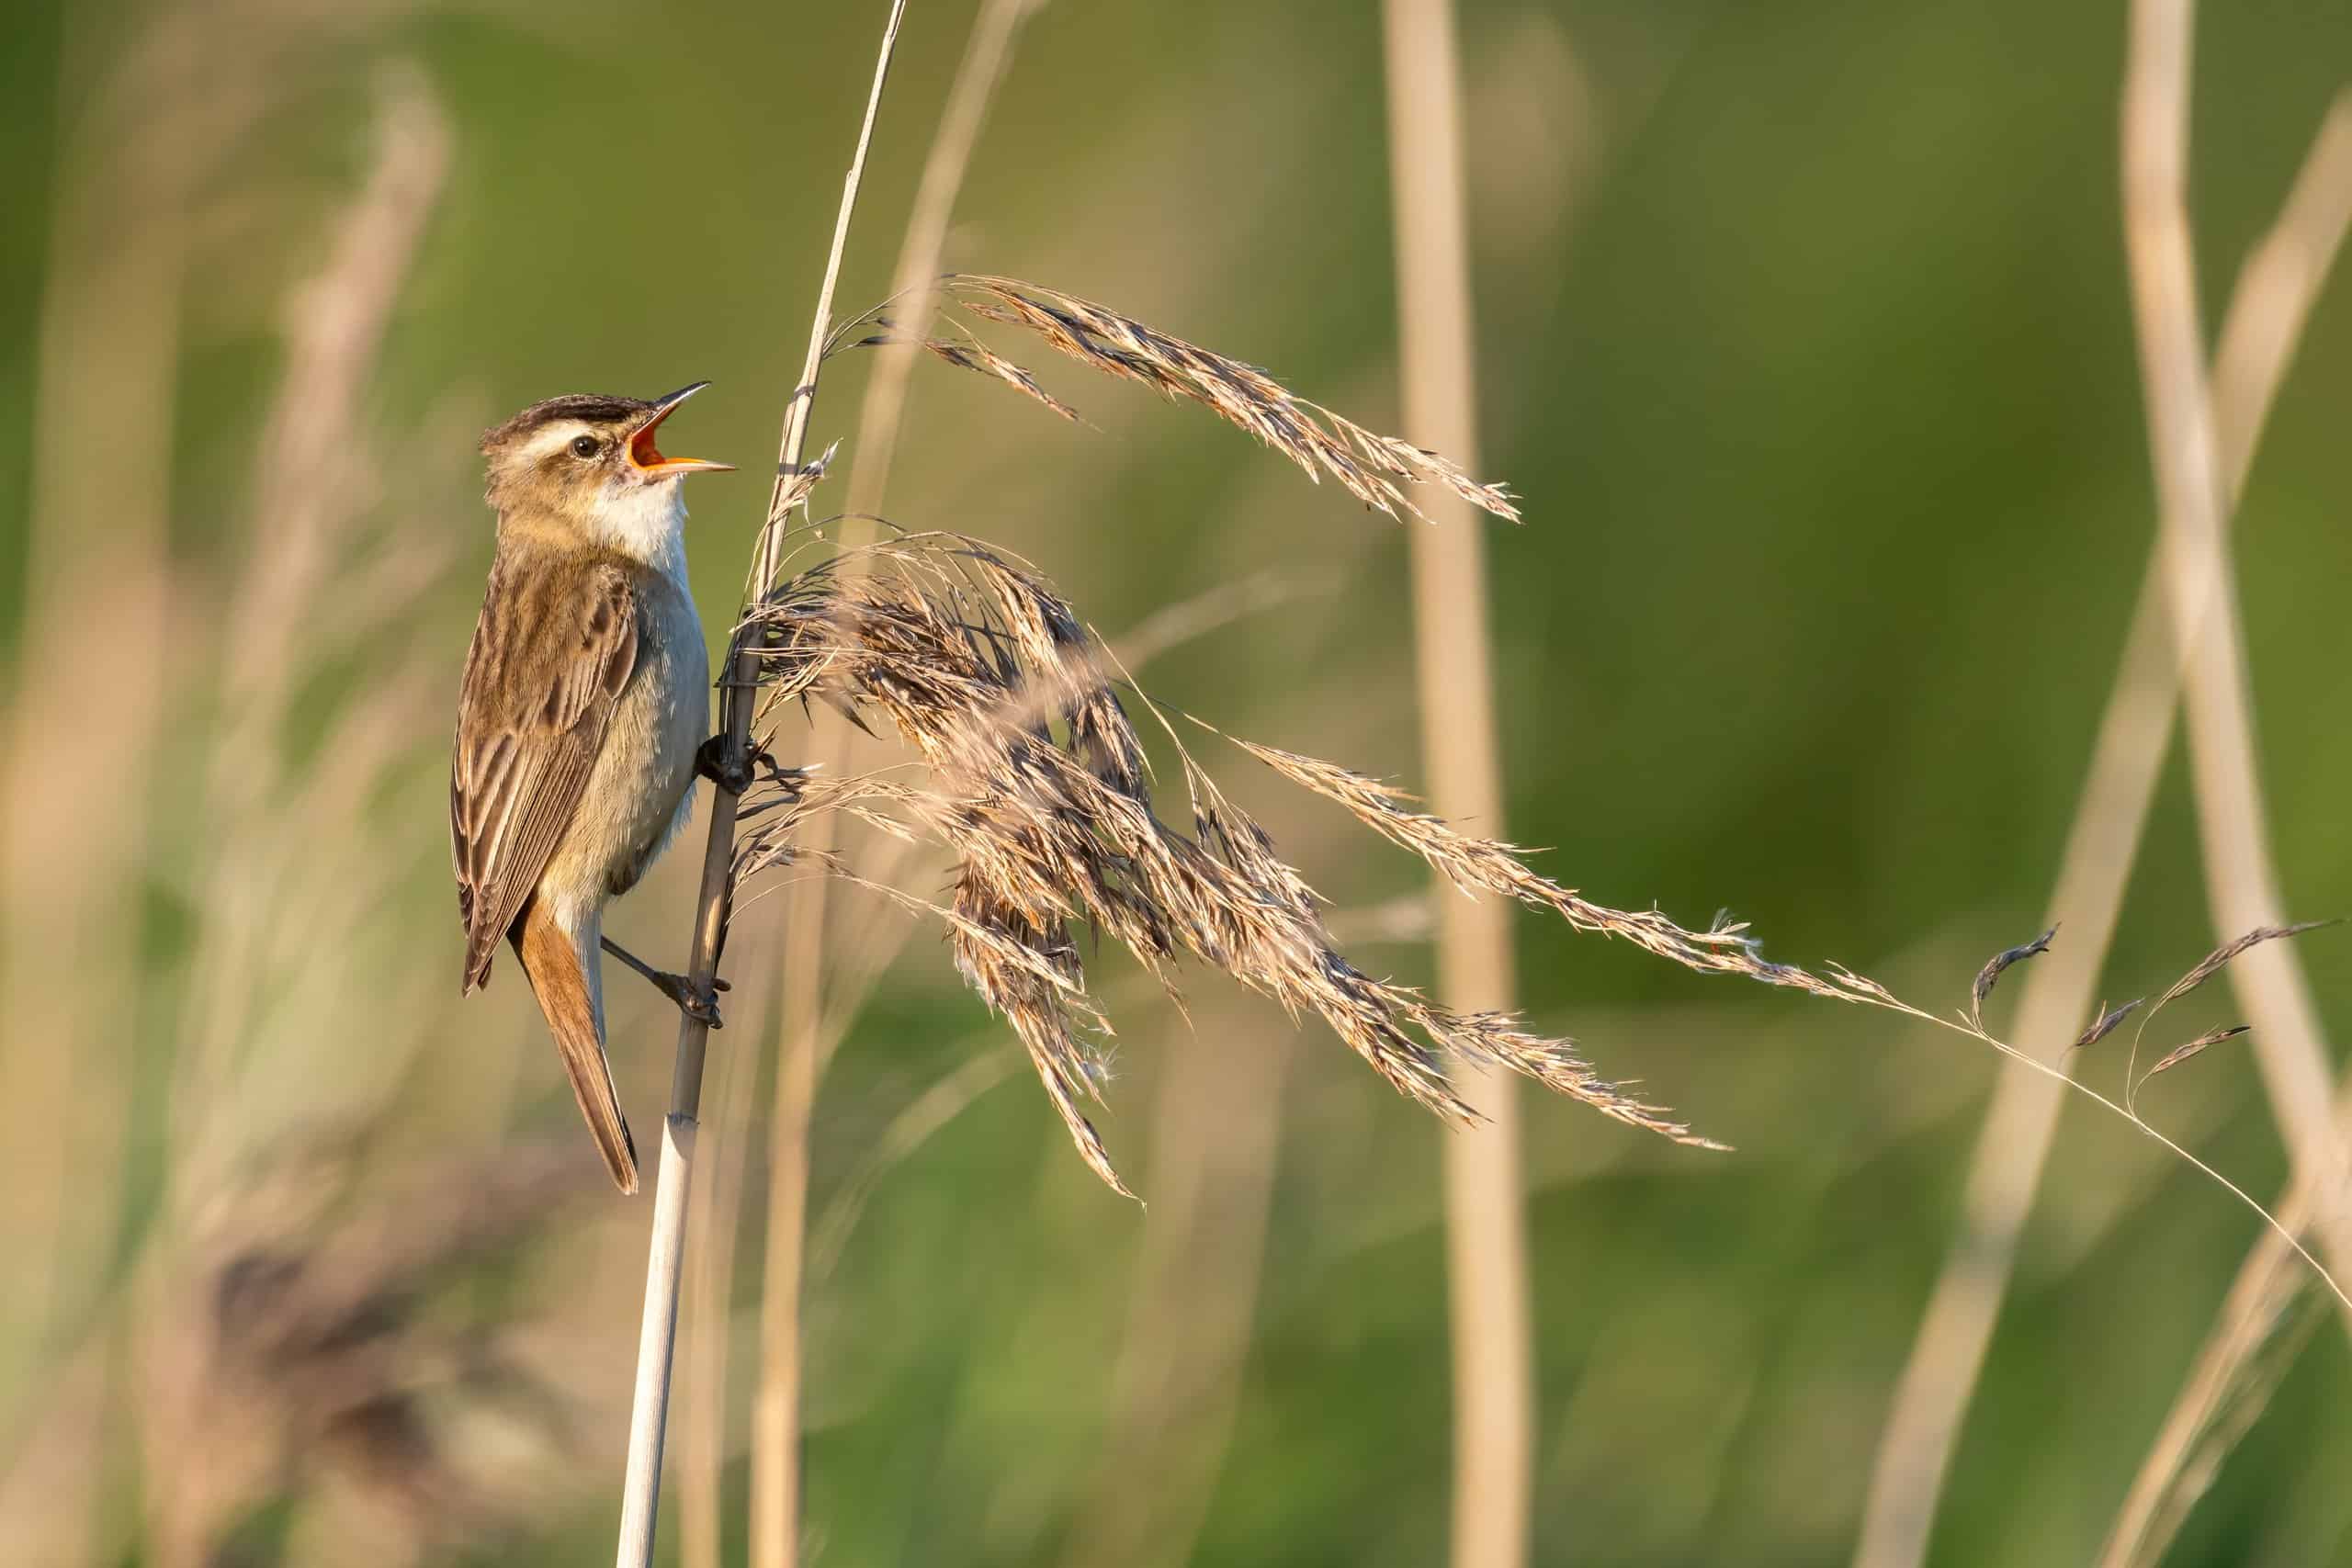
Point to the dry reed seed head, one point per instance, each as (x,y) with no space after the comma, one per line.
(1369,465)
(1035,780)
(2180,1054)
(965,353)
(971,354)
(1068,1069)
(2216,961)
(768,851)
(1475,864)
(1998,965)
(2105,1023)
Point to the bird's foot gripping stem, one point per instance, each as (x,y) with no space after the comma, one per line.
(712,762)
(699,1003)
(701,1006)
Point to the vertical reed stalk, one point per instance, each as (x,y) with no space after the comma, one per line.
(2259,333)
(649,1406)
(800,1047)
(713,1225)
(986,56)
(1485,1235)
(2241,882)
(775,1408)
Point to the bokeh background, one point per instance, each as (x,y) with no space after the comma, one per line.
(1804,332)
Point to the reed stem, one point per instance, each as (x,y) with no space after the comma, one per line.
(650,1408)
(1494,1417)
(2268,306)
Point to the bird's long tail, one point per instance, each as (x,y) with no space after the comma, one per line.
(558,964)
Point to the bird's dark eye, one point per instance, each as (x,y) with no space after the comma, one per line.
(585,447)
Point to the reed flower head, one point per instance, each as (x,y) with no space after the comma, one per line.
(1035,780)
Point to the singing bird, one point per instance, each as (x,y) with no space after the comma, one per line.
(582,717)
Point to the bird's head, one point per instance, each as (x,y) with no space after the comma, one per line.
(589,460)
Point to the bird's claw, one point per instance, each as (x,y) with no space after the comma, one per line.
(712,762)
(702,1006)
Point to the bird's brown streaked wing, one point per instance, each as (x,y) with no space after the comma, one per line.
(554,647)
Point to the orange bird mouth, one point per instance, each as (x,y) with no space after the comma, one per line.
(646,459)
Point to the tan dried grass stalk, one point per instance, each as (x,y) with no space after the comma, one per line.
(1489,1294)
(2189,442)
(816,982)
(2241,875)
(2275,291)
(657,1338)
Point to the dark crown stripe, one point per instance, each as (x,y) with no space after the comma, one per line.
(594,407)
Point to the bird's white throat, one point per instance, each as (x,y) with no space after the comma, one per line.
(648,522)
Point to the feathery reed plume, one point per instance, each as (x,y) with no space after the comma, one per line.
(1370,467)
(969,352)
(1038,784)
(1039,787)
(1475,864)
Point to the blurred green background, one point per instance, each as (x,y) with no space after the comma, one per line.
(1803,331)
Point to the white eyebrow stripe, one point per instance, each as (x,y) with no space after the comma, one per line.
(553,434)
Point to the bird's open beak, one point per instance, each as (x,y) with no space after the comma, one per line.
(646,459)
